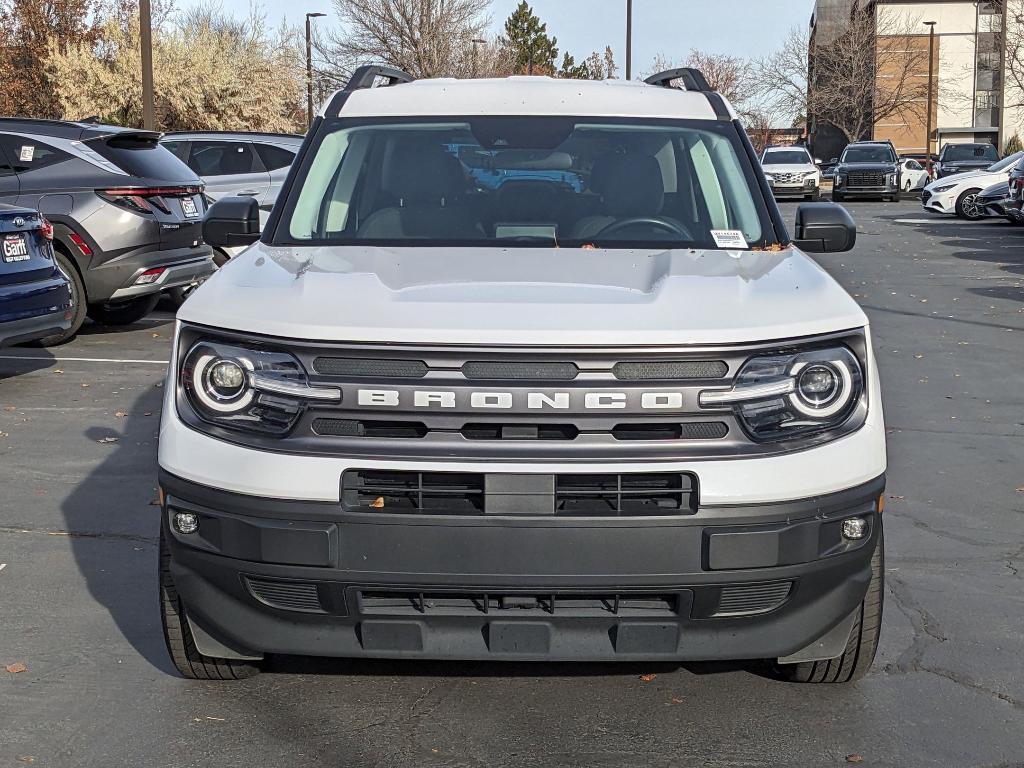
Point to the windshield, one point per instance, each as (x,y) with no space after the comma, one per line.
(1005,163)
(558,181)
(787,157)
(969,152)
(875,153)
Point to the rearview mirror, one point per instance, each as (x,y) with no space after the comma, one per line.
(231,222)
(824,228)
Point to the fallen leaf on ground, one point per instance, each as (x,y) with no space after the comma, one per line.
(647,678)
(120,414)
(108,440)
(674,700)
(10,408)
(58,370)
(854,758)
(16,667)
(1019,489)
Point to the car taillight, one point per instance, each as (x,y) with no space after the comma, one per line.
(145,199)
(46,229)
(80,244)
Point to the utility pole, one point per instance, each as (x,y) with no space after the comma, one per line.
(146,41)
(476,41)
(931,86)
(309,66)
(629,39)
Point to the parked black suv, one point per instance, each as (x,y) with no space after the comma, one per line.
(957,158)
(126,212)
(867,169)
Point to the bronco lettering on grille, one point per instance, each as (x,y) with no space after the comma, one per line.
(492,400)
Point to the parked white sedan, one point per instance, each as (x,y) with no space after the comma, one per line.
(958,193)
(913,174)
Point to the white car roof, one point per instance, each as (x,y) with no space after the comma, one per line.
(522,95)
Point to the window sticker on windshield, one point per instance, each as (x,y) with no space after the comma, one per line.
(27,153)
(729,238)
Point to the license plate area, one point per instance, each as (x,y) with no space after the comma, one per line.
(14,248)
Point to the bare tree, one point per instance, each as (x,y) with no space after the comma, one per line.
(426,38)
(1011,36)
(868,71)
(731,76)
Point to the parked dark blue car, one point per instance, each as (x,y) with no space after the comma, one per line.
(35,296)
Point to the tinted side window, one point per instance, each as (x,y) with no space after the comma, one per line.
(140,155)
(274,157)
(5,165)
(177,148)
(28,154)
(223,158)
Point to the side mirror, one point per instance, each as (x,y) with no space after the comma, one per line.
(231,222)
(817,161)
(834,160)
(824,228)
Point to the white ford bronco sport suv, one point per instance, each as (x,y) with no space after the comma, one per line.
(523,369)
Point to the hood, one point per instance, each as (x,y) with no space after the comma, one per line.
(980,177)
(535,296)
(789,167)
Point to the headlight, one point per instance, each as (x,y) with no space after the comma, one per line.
(769,177)
(891,178)
(779,397)
(838,181)
(249,389)
(944,188)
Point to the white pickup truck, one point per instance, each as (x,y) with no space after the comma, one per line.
(523,369)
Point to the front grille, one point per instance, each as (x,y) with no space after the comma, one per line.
(363,428)
(865,179)
(303,596)
(438,493)
(788,179)
(673,370)
(520,432)
(564,604)
(472,493)
(693,430)
(751,599)
(485,371)
(370,367)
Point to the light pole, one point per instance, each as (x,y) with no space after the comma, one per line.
(309,66)
(146,42)
(476,41)
(629,39)
(931,85)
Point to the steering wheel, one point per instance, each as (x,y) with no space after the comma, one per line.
(653,221)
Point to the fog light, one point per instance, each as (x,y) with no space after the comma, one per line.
(854,528)
(186,522)
(150,276)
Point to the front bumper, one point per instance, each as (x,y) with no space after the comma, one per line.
(944,202)
(310,578)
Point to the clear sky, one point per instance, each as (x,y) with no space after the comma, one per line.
(670,27)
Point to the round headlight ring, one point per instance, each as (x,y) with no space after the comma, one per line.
(827,402)
(216,386)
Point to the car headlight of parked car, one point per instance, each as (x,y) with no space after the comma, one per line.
(838,180)
(244,388)
(796,394)
(943,188)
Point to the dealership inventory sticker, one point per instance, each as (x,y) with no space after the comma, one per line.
(27,153)
(729,238)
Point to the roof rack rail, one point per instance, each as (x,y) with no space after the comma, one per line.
(693,79)
(366,76)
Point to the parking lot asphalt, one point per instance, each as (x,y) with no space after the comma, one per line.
(78,591)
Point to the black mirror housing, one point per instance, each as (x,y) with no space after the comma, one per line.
(232,222)
(824,228)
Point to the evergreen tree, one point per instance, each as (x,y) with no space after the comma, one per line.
(1013,146)
(531,51)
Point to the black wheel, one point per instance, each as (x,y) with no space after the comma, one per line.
(967,206)
(814,196)
(860,649)
(123,312)
(837,197)
(897,197)
(180,645)
(78,303)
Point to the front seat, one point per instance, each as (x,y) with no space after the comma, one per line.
(630,185)
(425,181)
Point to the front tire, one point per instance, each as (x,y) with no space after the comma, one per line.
(966,205)
(123,312)
(78,305)
(856,660)
(180,645)
(837,197)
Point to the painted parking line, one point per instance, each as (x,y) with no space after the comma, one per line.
(84,359)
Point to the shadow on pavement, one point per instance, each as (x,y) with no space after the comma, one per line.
(115,505)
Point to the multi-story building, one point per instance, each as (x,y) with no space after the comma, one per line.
(969,98)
